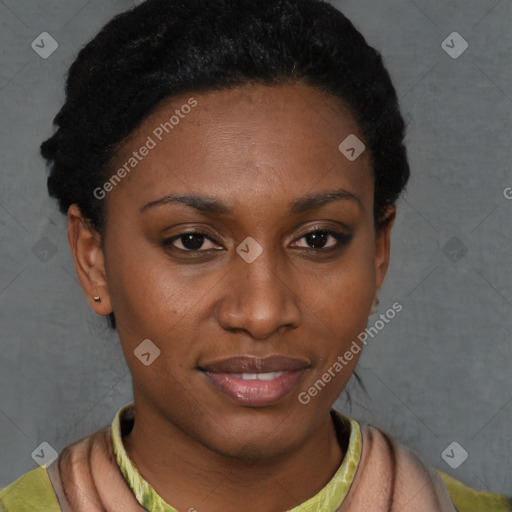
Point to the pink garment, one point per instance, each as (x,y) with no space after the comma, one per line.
(390,478)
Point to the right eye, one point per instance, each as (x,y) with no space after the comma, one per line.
(191,241)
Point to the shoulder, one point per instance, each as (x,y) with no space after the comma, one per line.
(397,475)
(417,486)
(31,491)
(467,499)
(41,488)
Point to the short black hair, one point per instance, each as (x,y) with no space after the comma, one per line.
(163,48)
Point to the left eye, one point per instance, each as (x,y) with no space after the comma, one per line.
(319,239)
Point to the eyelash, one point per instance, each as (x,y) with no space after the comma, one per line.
(342,240)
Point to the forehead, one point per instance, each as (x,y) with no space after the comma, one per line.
(253,139)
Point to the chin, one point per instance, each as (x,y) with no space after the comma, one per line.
(254,438)
(252,450)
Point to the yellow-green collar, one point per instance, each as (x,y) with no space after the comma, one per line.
(327,499)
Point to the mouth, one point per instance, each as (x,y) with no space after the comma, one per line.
(254,381)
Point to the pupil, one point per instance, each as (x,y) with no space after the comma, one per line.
(317,240)
(192,241)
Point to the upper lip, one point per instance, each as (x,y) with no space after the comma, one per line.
(252,364)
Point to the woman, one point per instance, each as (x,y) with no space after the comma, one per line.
(229,171)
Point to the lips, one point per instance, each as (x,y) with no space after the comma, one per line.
(251,364)
(254,381)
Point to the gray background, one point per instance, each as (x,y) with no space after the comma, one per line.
(439,372)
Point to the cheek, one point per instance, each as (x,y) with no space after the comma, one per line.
(155,300)
(145,291)
(338,314)
(153,303)
(344,292)
(340,309)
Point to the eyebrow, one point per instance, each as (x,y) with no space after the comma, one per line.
(214,206)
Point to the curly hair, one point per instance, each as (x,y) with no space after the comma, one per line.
(163,48)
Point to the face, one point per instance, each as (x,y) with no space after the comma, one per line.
(242,244)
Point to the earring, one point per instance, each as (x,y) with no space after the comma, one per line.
(97,299)
(374,305)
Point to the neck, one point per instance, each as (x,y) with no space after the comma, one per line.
(188,475)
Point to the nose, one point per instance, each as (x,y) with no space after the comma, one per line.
(259,299)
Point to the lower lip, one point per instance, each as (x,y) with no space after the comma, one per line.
(255,392)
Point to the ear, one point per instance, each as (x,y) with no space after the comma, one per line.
(85,243)
(383,245)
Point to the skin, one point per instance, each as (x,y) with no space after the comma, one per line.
(256,149)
